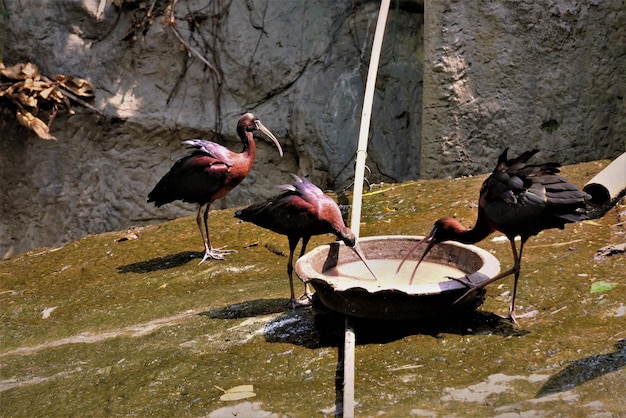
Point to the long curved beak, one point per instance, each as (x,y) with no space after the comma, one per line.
(360,254)
(270,135)
(429,241)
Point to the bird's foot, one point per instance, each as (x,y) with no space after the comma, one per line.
(470,284)
(512,319)
(465,281)
(306,298)
(216,254)
(301,302)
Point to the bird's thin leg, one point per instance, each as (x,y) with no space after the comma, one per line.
(207,244)
(517,267)
(293,242)
(201,228)
(292,298)
(473,287)
(307,290)
(209,251)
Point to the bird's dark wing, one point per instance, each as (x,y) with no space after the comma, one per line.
(301,210)
(307,190)
(324,209)
(530,197)
(195,178)
(287,214)
(564,199)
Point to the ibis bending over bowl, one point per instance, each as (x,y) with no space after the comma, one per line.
(517,199)
(299,212)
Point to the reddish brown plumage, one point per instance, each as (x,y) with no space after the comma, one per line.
(208,173)
(300,212)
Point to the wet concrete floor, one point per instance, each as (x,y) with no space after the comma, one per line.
(137,327)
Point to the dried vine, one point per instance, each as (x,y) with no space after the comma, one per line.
(4,13)
(143,16)
(172,24)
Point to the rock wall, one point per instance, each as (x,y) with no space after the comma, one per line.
(300,66)
(458,81)
(523,74)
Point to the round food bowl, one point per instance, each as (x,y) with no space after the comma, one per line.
(344,285)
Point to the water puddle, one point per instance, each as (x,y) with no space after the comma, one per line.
(494,385)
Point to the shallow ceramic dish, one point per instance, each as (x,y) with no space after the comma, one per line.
(343,284)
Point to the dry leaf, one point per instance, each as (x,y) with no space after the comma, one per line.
(83,87)
(45,313)
(77,85)
(21,71)
(11,72)
(32,84)
(46,92)
(131,234)
(28,89)
(26,100)
(236,393)
(27,119)
(58,96)
(594,223)
(30,70)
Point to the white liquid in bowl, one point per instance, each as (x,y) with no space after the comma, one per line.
(385,270)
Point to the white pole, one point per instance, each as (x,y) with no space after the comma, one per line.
(355,221)
(366,116)
(348,370)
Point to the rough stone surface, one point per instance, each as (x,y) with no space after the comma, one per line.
(457,83)
(300,66)
(549,74)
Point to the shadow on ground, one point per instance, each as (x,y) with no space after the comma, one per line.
(317,326)
(160,263)
(585,369)
(331,325)
(258,307)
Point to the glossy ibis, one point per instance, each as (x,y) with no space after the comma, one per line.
(300,211)
(517,199)
(208,173)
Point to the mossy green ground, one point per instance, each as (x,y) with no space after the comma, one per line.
(139,328)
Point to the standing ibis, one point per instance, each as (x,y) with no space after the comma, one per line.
(301,211)
(208,173)
(517,199)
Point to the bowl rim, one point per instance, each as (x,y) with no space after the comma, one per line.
(306,273)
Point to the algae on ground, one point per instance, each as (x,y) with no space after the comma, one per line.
(137,327)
